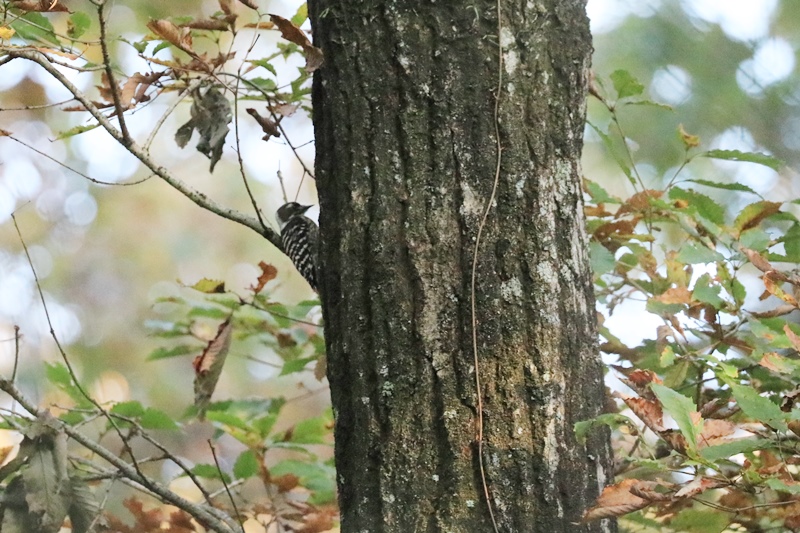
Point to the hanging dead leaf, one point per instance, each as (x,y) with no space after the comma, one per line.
(773,281)
(293,34)
(227,6)
(268,273)
(250,3)
(715,432)
(675,295)
(639,201)
(617,500)
(208,367)
(696,486)
(211,114)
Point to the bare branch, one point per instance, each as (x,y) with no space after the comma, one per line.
(195,196)
(208,517)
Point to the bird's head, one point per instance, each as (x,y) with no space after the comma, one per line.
(289,210)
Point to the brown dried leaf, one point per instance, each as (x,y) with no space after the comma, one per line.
(757,260)
(208,366)
(293,34)
(223,24)
(250,3)
(180,38)
(286,482)
(639,201)
(789,399)
(268,273)
(781,310)
(648,411)
(617,500)
(715,431)
(317,522)
(675,295)
(772,281)
(697,486)
(793,338)
(321,368)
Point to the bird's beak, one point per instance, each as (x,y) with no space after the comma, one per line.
(306,208)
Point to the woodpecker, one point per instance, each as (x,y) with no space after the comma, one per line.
(299,239)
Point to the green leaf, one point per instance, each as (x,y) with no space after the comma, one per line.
(263,63)
(130,409)
(77,130)
(609,144)
(246,465)
(706,292)
(757,407)
(34,26)
(791,244)
(316,477)
(602,260)
(705,206)
(729,449)
(726,186)
(311,431)
(264,84)
(681,409)
(625,84)
(693,253)
(780,485)
(699,521)
(210,472)
(598,194)
(750,157)
(77,24)
(164,353)
(301,16)
(296,365)
(651,103)
(157,419)
(753,214)
(58,374)
(755,239)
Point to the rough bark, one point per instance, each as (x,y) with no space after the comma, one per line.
(404,113)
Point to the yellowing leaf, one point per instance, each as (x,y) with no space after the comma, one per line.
(6,32)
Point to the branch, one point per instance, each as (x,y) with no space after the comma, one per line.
(208,517)
(195,196)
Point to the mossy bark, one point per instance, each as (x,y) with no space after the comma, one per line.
(404,114)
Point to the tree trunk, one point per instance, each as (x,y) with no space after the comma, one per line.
(404,113)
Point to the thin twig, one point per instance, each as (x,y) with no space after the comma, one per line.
(225,483)
(78,172)
(112,83)
(208,517)
(16,353)
(195,196)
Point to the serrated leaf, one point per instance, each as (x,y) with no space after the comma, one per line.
(263,63)
(725,186)
(33,26)
(729,449)
(651,103)
(682,410)
(753,214)
(77,24)
(602,260)
(246,465)
(705,206)
(706,292)
(296,365)
(758,407)
(77,130)
(751,157)
(625,84)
